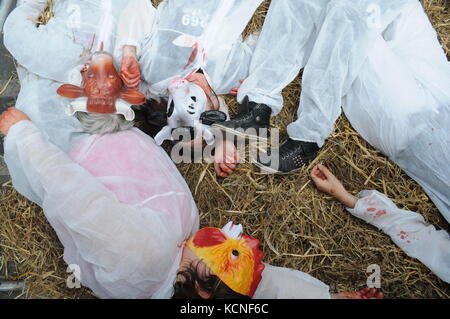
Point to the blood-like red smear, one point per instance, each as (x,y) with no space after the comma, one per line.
(381,212)
(402,234)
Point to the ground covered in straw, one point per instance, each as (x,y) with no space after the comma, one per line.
(298,226)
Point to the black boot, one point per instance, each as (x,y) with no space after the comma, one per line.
(253,121)
(292,156)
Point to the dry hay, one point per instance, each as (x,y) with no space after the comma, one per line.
(299,227)
(47,14)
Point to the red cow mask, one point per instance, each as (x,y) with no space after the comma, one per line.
(103,88)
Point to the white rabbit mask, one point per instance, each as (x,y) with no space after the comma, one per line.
(187,102)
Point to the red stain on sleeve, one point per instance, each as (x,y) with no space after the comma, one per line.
(193,55)
(372,209)
(402,234)
(381,212)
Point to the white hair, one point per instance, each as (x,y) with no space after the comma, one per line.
(94,123)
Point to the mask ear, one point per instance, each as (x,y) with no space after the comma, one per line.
(70,91)
(164,134)
(132,97)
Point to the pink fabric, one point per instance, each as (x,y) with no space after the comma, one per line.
(138,172)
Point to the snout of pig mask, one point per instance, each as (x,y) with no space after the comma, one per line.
(231,256)
(102,90)
(187,102)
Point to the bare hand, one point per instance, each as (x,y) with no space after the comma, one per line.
(130,73)
(226,158)
(328,183)
(234,91)
(11,117)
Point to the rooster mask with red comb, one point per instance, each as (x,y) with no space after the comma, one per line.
(231,256)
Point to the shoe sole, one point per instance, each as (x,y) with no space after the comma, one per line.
(254,138)
(268,170)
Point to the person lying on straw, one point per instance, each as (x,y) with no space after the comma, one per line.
(378,59)
(53,53)
(126,161)
(143,246)
(408,230)
(188,52)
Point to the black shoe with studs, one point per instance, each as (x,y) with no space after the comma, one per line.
(252,122)
(292,156)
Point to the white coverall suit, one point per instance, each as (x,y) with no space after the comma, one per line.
(381,61)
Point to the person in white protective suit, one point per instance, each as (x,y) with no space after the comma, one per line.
(66,42)
(407,230)
(189,52)
(131,171)
(380,60)
(136,236)
(116,201)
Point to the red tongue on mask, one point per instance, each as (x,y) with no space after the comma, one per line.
(102,85)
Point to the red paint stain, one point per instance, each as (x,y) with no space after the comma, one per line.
(371,209)
(193,55)
(402,234)
(381,212)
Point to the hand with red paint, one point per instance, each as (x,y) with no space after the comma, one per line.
(234,91)
(11,117)
(328,183)
(365,293)
(226,158)
(130,71)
